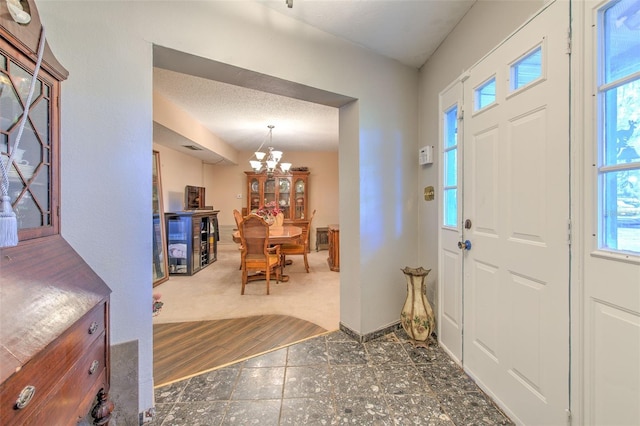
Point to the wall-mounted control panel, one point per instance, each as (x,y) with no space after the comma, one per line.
(425,155)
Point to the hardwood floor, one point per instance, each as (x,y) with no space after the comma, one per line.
(185,349)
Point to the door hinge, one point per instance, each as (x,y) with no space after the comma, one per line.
(569,41)
(460,114)
(569,231)
(568,411)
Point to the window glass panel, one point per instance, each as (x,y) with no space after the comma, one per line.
(450,207)
(527,69)
(618,136)
(451,127)
(485,95)
(621,218)
(621,133)
(451,168)
(621,40)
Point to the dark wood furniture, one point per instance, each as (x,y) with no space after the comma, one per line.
(289,191)
(334,248)
(54,310)
(54,334)
(322,238)
(192,240)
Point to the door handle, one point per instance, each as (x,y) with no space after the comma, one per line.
(464,245)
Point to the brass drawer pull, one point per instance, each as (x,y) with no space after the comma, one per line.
(93,327)
(25,397)
(94,366)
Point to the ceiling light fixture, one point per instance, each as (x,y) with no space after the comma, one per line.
(271,158)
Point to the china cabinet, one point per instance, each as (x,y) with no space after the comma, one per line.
(54,310)
(192,240)
(290,192)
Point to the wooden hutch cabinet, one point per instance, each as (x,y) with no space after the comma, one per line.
(289,191)
(54,310)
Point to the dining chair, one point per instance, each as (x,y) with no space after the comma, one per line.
(238,218)
(256,254)
(300,247)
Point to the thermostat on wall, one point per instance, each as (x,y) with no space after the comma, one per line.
(425,155)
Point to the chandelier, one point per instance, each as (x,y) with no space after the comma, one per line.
(269,161)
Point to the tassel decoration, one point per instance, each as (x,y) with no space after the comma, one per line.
(8,224)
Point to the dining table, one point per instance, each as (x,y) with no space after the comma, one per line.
(278,235)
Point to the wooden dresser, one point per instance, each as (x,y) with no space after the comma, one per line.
(54,336)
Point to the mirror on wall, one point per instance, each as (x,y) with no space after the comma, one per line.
(160,264)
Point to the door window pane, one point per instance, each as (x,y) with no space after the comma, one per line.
(618,135)
(450,169)
(527,69)
(621,40)
(451,127)
(485,95)
(451,207)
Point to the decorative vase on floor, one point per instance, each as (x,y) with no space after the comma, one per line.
(417,316)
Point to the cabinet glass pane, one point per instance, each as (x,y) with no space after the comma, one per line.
(269,191)
(284,195)
(22,81)
(30,173)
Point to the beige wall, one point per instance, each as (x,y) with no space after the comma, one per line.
(224,183)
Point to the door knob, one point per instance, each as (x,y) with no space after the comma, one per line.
(464,245)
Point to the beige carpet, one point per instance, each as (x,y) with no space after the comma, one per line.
(214,292)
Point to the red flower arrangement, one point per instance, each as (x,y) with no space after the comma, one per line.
(269,209)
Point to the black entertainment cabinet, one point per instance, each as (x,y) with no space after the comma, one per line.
(192,240)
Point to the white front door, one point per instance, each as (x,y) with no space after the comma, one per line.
(449,219)
(516,196)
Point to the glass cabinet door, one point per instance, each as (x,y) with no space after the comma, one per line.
(300,198)
(284,196)
(254,194)
(269,191)
(32,183)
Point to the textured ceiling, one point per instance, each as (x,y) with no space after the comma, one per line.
(305,119)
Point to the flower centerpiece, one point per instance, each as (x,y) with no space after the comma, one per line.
(269,212)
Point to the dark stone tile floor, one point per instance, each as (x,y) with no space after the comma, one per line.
(332,380)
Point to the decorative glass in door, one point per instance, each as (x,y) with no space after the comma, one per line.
(254,195)
(284,195)
(300,199)
(31,184)
(450,169)
(269,191)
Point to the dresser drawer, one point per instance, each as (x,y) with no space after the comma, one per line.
(73,398)
(46,370)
